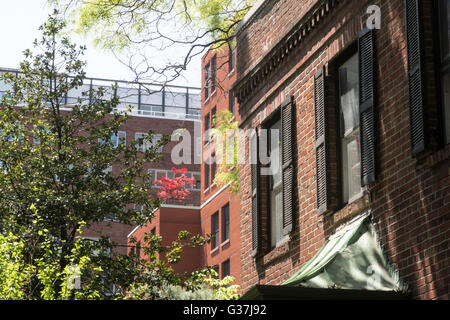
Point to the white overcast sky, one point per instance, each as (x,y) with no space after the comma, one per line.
(19,23)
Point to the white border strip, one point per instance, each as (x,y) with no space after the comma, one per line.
(185,207)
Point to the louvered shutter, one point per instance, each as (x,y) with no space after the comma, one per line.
(254,151)
(287,155)
(366,52)
(415,77)
(321,142)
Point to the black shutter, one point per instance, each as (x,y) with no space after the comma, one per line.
(415,76)
(366,52)
(321,142)
(287,155)
(254,152)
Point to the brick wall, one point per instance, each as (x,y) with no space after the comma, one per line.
(168,222)
(117,231)
(214,198)
(410,199)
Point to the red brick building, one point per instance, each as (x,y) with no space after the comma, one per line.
(160,124)
(217,210)
(363,112)
(219,207)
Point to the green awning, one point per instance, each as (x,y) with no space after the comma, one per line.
(351,259)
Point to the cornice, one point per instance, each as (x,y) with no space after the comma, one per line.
(254,78)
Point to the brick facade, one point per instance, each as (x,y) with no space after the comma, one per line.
(213,197)
(118,232)
(167,223)
(280,47)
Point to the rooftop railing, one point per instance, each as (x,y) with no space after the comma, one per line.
(146,99)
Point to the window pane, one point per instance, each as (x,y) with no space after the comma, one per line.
(215,230)
(446,106)
(197,181)
(275,152)
(276,209)
(232,60)
(276,216)
(207,175)
(122,137)
(213,74)
(213,168)
(226,222)
(445,32)
(349,95)
(207,82)
(232,102)
(160,174)
(213,118)
(226,269)
(351,166)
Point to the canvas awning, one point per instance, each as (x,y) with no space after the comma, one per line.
(350,265)
(351,259)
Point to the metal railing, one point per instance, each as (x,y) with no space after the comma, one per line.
(146,99)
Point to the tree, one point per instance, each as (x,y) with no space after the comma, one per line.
(128,28)
(225,135)
(54,181)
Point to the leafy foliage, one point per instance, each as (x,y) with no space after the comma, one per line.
(227,151)
(54,182)
(138,31)
(175,188)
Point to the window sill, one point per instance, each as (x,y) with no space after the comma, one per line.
(350,210)
(214,251)
(225,244)
(356,197)
(433,158)
(277,253)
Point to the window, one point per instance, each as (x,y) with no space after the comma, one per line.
(444,26)
(147,144)
(213,168)
(349,129)
(226,268)
(215,230)
(226,222)
(112,217)
(207,172)
(116,138)
(207,127)
(138,250)
(197,183)
(232,103)
(275,184)
(232,60)
(213,117)
(213,73)
(273,179)
(216,270)
(41,132)
(207,81)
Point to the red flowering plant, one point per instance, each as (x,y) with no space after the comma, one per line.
(175,188)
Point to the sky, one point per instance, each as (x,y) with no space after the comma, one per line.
(19,22)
